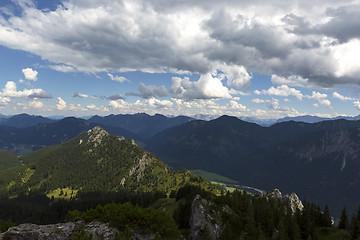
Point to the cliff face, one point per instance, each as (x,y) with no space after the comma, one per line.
(206,219)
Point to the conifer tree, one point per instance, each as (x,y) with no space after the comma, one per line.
(326,218)
(344,222)
(354,227)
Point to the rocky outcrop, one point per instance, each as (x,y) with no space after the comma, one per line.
(205,220)
(66,231)
(139,168)
(291,199)
(96,135)
(43,232)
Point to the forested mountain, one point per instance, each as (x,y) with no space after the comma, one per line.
(8,160)
(141,124)
(94,161)
(319,161)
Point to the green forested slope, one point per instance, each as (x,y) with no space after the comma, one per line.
(8,160)
(95,161)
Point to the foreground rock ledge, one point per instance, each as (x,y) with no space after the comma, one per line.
(65,231)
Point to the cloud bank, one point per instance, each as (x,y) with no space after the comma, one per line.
(294,40)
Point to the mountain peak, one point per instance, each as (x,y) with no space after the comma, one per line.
(96,134)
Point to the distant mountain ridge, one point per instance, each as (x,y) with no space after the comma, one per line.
(23,133)
(141,124)
(314,119)
(24,120)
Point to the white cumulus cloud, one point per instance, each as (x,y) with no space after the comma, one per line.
(119,79)
(61,104)
(82,95)
(207,87)
(236,76)
(321,98)
(357,104)
(10,90)
(36,104)
(30,74)
(282,90)
(257,100)
(341,97)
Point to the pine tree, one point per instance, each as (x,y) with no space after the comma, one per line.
(326,218)
(344,222)
(354,227)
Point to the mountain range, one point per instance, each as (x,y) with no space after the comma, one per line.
(141,124)
(146,125)
(319,160)
(316,160)
(105,183)
(24,120)
(314,119)
(23,133)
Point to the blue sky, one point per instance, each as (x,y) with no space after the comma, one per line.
(258,59)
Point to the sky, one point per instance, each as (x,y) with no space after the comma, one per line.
(262,59)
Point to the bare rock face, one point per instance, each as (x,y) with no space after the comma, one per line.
(66,231)
(204,220)
(96,135)
(291,199)
(43,232)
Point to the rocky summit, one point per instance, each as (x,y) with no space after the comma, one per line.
(292,200)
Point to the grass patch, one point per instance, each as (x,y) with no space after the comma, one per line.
(62,193)
(224,185)
(28,173)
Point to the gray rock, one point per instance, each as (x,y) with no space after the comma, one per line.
(42,232)
(291,199)
(205,220)
(65,231)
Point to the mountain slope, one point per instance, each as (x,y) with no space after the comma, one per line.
(97,161)
(8,160)
(141,124)
(316,160)
(208,145)
(323,165)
